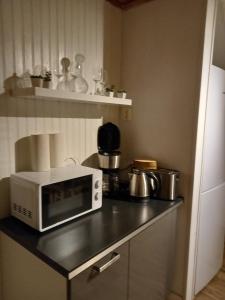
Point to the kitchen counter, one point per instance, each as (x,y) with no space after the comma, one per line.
(72,247)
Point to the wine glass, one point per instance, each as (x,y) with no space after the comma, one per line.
(100,79)
(96,78)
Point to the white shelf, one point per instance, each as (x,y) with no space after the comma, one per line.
(48,94)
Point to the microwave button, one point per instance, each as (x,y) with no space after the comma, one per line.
(96,197)
(97,184)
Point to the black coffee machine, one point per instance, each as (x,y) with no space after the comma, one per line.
(109,157)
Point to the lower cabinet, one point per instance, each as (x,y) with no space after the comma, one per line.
(151,255)
(138,270)
(106,279)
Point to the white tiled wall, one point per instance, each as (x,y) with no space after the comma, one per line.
(40,32)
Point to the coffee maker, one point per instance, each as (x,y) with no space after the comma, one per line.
(109,157)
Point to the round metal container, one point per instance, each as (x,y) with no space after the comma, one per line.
(109,161)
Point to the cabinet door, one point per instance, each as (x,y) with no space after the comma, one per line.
(213,173)
(150,255)
(110,284)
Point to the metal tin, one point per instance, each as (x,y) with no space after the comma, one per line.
(168,184)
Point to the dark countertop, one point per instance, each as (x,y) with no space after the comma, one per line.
(69,246)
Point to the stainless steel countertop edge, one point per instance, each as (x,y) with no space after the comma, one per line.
(96,258)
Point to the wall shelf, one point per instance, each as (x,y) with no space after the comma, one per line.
(48,94)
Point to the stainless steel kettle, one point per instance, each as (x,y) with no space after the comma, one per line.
(143,184)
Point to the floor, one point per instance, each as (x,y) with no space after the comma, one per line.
(215,290)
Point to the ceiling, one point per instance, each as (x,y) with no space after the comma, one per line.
(125,4)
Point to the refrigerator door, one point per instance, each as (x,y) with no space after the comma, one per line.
(213,173)
(211,236)
(211,230)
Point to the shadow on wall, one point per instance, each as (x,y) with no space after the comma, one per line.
(91,161)
(22,155)
(4,197)
(17,107)
(22,163)
(43,108)
(28,107)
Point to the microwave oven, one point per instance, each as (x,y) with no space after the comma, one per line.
(44,200)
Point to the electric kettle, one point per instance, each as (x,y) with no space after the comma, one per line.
(143,183)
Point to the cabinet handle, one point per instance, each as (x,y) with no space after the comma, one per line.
(115,257)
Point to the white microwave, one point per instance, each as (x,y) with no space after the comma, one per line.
(46,199)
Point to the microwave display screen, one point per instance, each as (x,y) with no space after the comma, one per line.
(63,200)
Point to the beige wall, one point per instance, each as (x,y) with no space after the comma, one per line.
(113,43)
(112,53)
(161,64)
(219,44)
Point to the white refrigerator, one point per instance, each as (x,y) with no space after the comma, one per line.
(211,225)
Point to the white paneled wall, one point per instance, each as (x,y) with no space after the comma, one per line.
(41,32)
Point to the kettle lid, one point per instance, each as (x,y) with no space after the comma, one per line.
(138,171)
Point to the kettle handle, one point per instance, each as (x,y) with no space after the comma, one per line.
(156,181)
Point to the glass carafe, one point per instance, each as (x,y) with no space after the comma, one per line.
(80,84)
(66,81)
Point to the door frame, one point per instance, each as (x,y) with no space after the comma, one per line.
(210,25)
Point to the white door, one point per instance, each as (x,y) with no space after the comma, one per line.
(211,236)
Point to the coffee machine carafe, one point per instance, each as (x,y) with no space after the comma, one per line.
(109,157)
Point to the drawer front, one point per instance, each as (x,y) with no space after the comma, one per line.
(106,279)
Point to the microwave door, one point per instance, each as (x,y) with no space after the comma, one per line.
(65,200)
